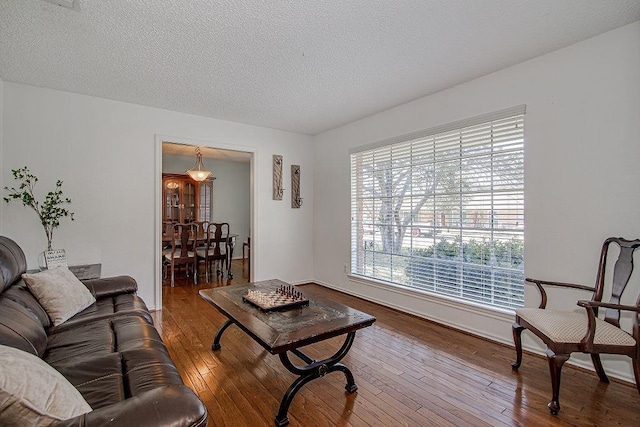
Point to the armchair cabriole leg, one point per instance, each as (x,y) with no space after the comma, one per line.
(636,372)
(555,368)
(597,364)
(517,340)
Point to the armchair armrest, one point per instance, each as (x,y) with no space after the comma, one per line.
(586,303)
(111,286)
(543,293)
(592,307)
(173,405)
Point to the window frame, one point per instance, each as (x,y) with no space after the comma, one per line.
(466,270)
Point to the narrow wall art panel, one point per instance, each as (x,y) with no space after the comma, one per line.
(296,200)
(278,191)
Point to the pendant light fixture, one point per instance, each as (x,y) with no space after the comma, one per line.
(198,173)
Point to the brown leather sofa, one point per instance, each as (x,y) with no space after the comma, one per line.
(110,352)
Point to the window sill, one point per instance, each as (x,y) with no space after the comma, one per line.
(491,312)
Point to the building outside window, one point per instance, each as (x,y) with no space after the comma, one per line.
(442,210)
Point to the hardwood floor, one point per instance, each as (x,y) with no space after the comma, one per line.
(409,372)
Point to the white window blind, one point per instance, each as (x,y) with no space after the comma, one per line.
(442,211)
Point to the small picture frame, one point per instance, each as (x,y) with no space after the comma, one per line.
(55,258)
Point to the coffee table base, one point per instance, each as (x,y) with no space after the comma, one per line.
(312,370)
(216,340)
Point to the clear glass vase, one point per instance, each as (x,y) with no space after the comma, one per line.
(42,265)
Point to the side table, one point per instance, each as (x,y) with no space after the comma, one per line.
(83,271)
(86,271)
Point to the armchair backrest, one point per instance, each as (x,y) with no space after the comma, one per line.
(621,274)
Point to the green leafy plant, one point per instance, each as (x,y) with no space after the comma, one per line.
(50,211)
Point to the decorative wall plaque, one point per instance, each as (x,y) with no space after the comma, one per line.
(278,191)
(296,200)
(55,258)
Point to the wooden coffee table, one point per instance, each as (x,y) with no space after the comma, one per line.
(285,331)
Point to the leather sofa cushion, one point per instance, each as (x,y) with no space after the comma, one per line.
(20,328)
(111,378)
(21,294)
(118,334)
(99,379)
(103,308)
(146,369)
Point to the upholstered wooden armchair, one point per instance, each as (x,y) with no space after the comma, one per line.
(566,332)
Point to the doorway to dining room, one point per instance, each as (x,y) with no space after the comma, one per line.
(226,196)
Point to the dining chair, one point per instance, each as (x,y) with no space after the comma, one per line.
(216,248)
(566,332)
(167,242)
(182,250)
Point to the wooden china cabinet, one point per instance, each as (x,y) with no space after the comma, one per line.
(185,200)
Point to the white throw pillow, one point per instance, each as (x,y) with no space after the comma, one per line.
(59,292)
(33,393)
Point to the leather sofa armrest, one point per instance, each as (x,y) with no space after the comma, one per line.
(172,405)
(110,286)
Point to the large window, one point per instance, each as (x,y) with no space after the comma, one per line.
(443,210)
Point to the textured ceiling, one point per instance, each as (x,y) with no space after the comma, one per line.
(299,65)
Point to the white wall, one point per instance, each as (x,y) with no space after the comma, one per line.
(581,172)
(231,191)
(105,152)
(1,155)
